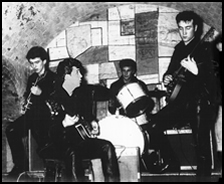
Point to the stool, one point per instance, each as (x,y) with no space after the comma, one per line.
(53,170)
(31,176)
(88,170)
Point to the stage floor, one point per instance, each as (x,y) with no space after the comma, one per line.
(184,176)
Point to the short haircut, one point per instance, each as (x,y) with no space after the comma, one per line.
(65,67)
(188,16)
(128,62)
(37,51)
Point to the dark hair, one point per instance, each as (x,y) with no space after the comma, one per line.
(37,51)
(40,52)
(65,67)
(128,62)
(216,54)
(188,16)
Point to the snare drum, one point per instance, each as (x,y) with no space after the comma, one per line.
(121,132)
(141,119)
(133,99)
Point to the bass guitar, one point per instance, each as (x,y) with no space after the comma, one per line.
(174,87)
(82,126)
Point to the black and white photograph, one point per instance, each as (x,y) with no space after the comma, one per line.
(111,92)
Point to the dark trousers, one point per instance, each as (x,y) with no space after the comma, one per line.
(200,117)
(98,148)
(17,130)
(90,148)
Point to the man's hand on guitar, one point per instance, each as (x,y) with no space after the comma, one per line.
(95,129)
(190,64)
(70,120)
(22,104)
(167,79)
(36,90)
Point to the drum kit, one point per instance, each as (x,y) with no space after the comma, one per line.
(126,131)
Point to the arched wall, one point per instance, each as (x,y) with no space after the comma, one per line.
(26,24)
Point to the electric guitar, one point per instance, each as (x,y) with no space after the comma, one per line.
(174,87)
(83,127)
(29,102)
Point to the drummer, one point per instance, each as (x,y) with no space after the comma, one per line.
(128,75)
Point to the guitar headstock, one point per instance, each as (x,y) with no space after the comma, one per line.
(209,35)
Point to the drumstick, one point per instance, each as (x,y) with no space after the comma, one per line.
(117,113)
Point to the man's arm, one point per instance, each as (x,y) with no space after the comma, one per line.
(113,103)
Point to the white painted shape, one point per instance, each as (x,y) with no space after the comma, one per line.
(140,8)
(126,11)
(60,39)
(52,44)
(92,76)
(168,34)
(149,79)
(113,14)
(108,70)
(78,39)
(96,36)
(163,65)
(99,24)
(56,53)
(115,37)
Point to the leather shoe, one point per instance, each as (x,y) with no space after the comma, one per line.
(16,170)
(170,168)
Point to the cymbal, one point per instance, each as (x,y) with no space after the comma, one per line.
(99,93)
(157,93)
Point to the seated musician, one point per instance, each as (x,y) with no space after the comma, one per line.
(75,99)
(194,103)
(128,70)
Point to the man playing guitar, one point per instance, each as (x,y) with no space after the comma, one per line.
(193,102)
(36,115)
(73,121)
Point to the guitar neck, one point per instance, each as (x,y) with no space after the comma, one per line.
(206,36)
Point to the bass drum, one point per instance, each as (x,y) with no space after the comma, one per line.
(122,132)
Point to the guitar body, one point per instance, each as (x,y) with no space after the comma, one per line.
(83,131)
(174,89)
(29,101)
(56,109)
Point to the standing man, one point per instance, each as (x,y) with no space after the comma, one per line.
(36,114)
(75,97)
(217,59)
(194,103)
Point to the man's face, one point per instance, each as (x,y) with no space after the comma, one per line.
(187,31)
(127,73)
(75,76)
(37,65)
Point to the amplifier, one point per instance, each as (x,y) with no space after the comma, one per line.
(129,165)
(183,145)
(35,162)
